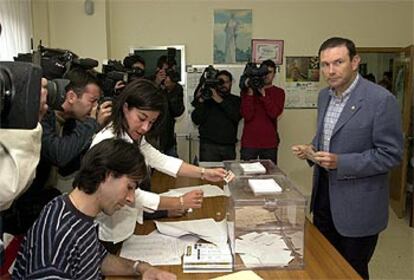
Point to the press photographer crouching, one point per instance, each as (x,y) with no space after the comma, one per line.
(261,105)
(67,134)
(217,114)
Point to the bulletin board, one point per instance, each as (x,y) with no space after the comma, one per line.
(302,82)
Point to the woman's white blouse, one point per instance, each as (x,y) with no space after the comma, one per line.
(121,224)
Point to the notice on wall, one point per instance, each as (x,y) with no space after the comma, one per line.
(302,82)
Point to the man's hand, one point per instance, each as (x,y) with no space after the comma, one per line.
(119,85)
(104,113)
(215,96)
(300,151)
(250,91)
(43,99)
(160,76)
(262,92)
(157,274)
(326,159)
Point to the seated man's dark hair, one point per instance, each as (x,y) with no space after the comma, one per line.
(111,156)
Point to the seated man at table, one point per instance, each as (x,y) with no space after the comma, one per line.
(63,243)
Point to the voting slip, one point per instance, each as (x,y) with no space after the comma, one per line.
(253,168)
(264,186)
(207,257)
(241,275)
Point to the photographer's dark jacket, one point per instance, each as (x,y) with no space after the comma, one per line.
(176,108)
(217,122)
(260,115)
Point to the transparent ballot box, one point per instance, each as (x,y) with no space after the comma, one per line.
(266,219)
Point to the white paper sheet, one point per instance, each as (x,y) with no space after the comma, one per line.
(263,249)
(253,168)
(208,191)
(156,248)
(206,229)
(264,186)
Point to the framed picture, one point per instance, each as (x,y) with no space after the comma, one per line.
(263,49)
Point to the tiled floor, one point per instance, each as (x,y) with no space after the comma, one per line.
(394,254)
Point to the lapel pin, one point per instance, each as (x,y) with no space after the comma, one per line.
(353,108)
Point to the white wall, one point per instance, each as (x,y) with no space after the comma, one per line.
(118,25)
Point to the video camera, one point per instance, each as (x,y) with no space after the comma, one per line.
(20,84)
(253,77)
(171,62)
(208,81)
(114,71)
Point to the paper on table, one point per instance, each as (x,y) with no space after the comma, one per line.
(263,249)
(156,248)
(264,186)
(206,229)
(253,168)
(208,191)
(241,275)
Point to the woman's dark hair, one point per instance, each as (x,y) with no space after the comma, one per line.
(336,42)
(115,156)
(141,94)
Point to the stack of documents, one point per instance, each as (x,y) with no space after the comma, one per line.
(253,168)
(206,257)
(263,249)
(264,186)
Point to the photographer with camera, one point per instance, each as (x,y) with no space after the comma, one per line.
(167,78)
(67,134)
(261,105)
(216,109)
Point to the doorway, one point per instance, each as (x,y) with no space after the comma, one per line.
(393,68)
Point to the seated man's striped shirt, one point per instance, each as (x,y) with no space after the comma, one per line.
(62,244)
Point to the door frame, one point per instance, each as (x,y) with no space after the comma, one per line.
(398,193)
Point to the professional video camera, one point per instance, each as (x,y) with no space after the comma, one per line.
(171,62)
(208,81)
(55,63)
(253,76)
(114,71)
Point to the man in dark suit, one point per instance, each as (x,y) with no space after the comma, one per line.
(358,140)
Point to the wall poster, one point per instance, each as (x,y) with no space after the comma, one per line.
(302,82)
(232,36)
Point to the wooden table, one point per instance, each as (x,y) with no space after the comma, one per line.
(322,261)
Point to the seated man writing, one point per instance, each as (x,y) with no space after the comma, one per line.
(63,243)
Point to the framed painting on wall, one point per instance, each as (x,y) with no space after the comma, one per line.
(264,49)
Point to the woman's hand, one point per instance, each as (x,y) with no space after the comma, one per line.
(193,199)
